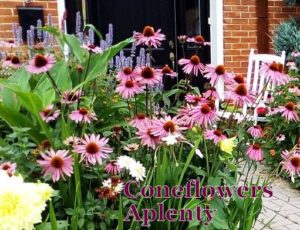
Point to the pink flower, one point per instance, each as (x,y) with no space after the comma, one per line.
(288,111)
(255,131)
(57,164)
(82,115)
(92,48)
(240,95)
(198,40)
(211,93)
(192,65)
(41,63)
(139,120)
(93,149)
(166,70)
(10,168)
(295,54)
(112,167)
(274,71)
(255,152)
(195,99)
(148,76)
(147,138)
(125,74)
(203,115)
(216,73)
(291,162)
(280,137)
(166,126)
(49,114)
(72,141)
(71,97)
(182,38)
(129,88)
(149,37)
(13,62)
(215,135)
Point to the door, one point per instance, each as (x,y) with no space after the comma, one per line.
(173,17)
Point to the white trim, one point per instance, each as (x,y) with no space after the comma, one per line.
(217,40)
(61,8)
(216,32)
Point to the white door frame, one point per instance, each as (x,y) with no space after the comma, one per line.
(216,32)
(61,8)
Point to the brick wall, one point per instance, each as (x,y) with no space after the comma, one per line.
(9,14)
(240,28)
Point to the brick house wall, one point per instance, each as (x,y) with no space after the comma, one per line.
(240,29)
(9,14)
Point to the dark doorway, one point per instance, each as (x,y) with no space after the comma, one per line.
(173,17)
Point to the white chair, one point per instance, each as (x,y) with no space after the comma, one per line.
(256,82)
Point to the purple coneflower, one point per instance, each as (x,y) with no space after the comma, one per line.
(288,111)
(255,131)
(203,115)
(71,97)
(291,162)
(195,99)
(149,37)
(9,167)
(166,126)
(82,115)
(211,93)
(255,152)
(166,70)
(40,63)
(148,76)
(72,141)
(49,114)
(274,71)
(112,167)
(56,164)
(147,138)
(92,48)
(216,73)
(216,135)
(240,95)
(192,65)
(93,149)
(199,39)
(125,74)
(139,120)
(129,88)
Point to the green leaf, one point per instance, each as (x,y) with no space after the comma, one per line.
(15,119)
(120,215)
(74,45)
(52,217)
(61,76)
(94,28)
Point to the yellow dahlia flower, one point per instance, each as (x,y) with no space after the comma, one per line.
(21,204)
(227,145)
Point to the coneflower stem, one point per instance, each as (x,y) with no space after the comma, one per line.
(135,104)
(147,112)
(54,84)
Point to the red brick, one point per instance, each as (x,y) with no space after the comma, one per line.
(239,33)
(275,9)
(6,12)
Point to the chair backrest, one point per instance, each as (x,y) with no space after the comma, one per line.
(255,80)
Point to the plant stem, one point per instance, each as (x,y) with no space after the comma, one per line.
(53,84)
(77,181)
(147,112)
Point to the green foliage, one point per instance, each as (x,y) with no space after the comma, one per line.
(287,37)
(291,2)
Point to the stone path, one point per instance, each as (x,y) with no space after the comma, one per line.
(283,207)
